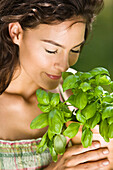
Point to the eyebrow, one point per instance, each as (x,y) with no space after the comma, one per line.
(59,45)
(76,22)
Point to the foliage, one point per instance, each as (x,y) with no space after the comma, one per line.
(94,106)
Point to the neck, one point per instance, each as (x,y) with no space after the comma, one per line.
(22,85)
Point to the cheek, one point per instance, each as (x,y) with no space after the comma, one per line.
(73,59)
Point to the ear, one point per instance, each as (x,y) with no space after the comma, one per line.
(15,32)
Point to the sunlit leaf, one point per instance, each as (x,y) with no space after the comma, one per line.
(99,70)
(44,108)
(70,82)
(80,117)
(92,122)
(55,121)
(71,130)
(66,74)
(85,86)
(90,110)
(55,99)
(86,75)
(42,97)
(79,101)
(98,91)
(108,112)
(40,121)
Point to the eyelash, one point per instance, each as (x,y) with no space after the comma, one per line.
(54,52)
(51,52)
(77,51)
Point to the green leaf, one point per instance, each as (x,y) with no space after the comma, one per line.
(99,70)
(43,141)
(55,99)
(67,119)
(108,112)
(70,82)
(110,132)
(111,94)
(98,91)
(64,109)
(86,75)
(55,121)
(79,73)
(40,121)
(80,117)
(86,138)
(67,114)
(44,108)
(85,86)
(42,149)
(103,129)
(106,104)
(50,95)
(108,98)
(104,80)
(53,154)
(59,143)
(50,134)
(92,81)
(110,120)
(79,101)
(105,93)
(66,74)
(90,110)
(90,95)
(52,151)
(92,122)
(71,130)
(42,97)
(38,91)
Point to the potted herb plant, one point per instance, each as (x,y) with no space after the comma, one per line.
(93,116)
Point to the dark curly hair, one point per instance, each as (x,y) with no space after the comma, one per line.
(30,13)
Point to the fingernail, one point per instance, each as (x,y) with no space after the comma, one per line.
(97,145)
(105,163)
(105,151)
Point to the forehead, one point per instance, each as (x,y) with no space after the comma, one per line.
(62,32)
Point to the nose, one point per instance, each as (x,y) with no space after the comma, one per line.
(62,64)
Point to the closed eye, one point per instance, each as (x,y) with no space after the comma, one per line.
(75,51)
(51,52)
(54,52)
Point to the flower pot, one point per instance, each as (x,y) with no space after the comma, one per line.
(96,137)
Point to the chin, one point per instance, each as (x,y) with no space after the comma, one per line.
(51,86)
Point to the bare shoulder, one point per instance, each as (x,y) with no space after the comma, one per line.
(9,101)
(16,115)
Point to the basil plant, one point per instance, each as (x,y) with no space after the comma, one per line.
(94,106)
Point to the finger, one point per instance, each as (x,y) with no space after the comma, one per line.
(68,139)
(92,165)
(86,156)
(77,149)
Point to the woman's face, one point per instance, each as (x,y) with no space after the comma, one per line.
(48,50)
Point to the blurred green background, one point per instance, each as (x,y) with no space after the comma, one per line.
(98,50)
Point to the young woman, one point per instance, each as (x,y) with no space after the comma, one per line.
(39,39)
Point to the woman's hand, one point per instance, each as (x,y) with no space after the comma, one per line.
(77,157)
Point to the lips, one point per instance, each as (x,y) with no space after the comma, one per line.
(54,77)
